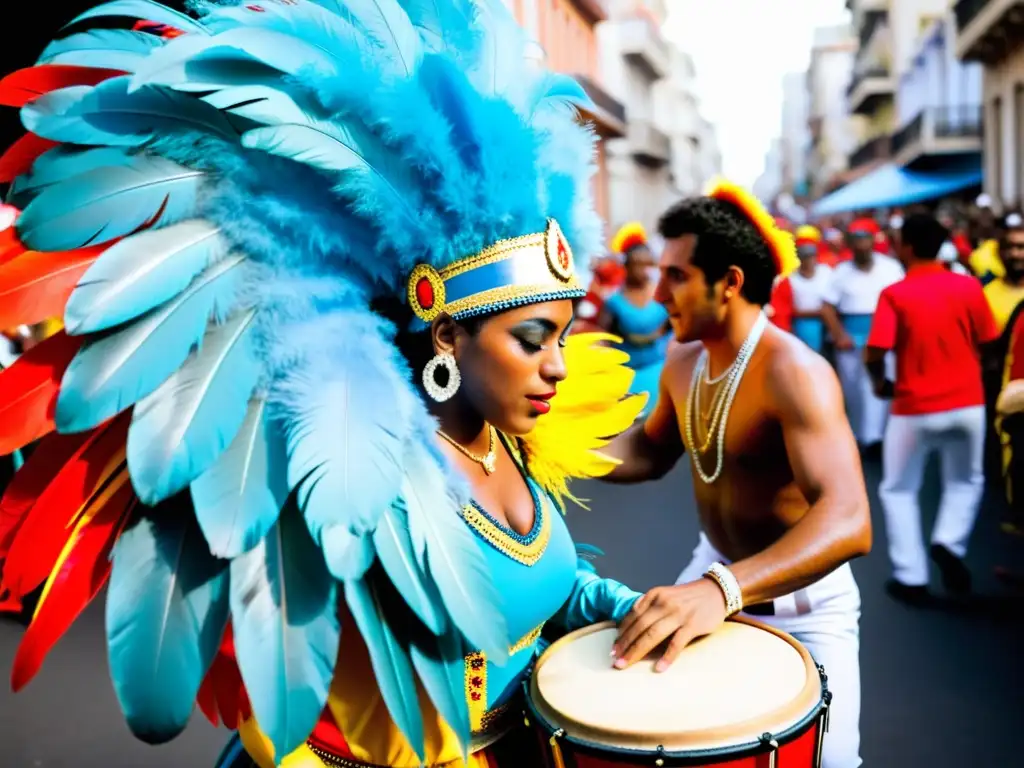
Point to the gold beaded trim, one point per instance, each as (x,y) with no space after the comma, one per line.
(526,641)
(549,245)
(506,295)
(527,554)
(476,689)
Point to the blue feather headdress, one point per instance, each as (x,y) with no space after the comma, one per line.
(260,181)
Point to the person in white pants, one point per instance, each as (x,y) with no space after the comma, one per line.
(936,322)
(825,618)
(850,303)
(779,487)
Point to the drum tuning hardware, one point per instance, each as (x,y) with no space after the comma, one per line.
(556,751)
(769,740)
(660,761)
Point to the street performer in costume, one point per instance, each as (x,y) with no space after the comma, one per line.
(315,406)
(632,313)
(779,486)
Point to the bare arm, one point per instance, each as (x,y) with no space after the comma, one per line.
(830,317)
(826,465)
(649,449)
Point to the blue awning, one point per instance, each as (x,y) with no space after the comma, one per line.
(891,185)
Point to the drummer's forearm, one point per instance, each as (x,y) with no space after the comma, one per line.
(830,534)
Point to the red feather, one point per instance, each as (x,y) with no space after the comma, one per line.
(81,572)
(206,699)
(29,389)
(226,684)
(48,525)
(10,246)
(25,85)
(19,157)
(37,285)
(42,467)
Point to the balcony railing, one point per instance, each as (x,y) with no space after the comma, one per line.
(967,10)
(866,75)
(878,148)
(988,30)
(643,45)
(869,23)
(939,130)
(649,146)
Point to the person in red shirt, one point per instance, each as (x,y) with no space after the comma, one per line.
(780,308)
(936,322)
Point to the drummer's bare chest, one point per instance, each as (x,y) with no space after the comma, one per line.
(755,487)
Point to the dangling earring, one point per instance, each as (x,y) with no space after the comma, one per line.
(435,390)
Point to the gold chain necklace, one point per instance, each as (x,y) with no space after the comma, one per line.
(489,460)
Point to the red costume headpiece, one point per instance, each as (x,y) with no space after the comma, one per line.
(780,243)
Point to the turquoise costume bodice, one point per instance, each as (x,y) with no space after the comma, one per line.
(542,582)
(645,341)
(641,328)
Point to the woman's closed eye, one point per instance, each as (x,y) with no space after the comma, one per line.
(535,335)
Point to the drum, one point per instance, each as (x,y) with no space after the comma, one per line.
(746,696)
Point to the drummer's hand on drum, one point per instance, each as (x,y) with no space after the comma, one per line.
(679,614)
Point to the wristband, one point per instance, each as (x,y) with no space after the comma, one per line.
(723,577)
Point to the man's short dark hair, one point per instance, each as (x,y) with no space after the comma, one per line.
(923,233)
(725,238)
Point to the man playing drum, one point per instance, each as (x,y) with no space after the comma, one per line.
(779,486)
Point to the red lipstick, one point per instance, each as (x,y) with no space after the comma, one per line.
(541,403)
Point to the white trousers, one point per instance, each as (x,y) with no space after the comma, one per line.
(959,438)
(867,412)
(825,618)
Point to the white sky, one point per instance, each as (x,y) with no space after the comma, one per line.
(741,50)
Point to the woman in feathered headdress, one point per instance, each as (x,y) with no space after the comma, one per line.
(315,263)
(634,315)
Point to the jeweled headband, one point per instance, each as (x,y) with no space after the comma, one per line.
(511,273)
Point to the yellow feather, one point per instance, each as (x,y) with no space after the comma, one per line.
(91,509)
(592,406)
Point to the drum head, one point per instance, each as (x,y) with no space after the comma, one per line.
(724,690)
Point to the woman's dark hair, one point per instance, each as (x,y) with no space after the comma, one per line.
(923,233)
(725,238)
(415,345)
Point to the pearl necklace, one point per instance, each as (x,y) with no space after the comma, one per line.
(736,372)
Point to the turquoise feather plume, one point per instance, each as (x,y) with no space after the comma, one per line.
(238,499)
(167,606)
(120,49)
(454,558)
(112,373)
(392,664)
(145,10)
(62,162)
(182,428)
(141,273)
(440,663)
(110,202)
(397,555)
(350,473)
(270,179)
(286,631)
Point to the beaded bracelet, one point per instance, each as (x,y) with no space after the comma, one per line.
(723,577)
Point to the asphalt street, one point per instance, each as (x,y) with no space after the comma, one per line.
(942,687)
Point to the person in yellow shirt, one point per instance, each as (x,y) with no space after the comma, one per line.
(1006,290)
